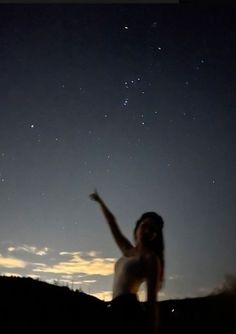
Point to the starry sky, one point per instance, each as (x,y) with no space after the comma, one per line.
(137,101)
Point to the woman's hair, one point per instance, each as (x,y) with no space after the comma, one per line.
(156,244)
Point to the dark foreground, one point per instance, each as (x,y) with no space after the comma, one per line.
(30,306)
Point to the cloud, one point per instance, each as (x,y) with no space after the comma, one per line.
(228,286)
(103,295)
(29,249)
(11,274)
(70,253)
(89,281)
(91,253)
(69,282)
(11,262)
(67,277)
(78,265)
(174,277)
(204,290)
(38,264)
(33,276)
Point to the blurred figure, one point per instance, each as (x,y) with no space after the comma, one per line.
(141,262)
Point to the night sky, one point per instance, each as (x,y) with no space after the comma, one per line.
(137,101)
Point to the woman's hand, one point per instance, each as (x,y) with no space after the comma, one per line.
(95,197)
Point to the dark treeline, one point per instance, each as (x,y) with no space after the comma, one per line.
(30,306)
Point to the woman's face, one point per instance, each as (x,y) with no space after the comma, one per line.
(146,230)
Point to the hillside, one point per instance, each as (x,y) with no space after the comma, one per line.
(29,305)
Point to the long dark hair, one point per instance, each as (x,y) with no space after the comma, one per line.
(157,244)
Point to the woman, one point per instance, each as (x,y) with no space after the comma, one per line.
(142,262)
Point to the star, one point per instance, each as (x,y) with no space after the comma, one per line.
(126,84)
(32,126)
(154,24)
(125,102)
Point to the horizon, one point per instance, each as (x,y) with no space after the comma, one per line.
(227,288)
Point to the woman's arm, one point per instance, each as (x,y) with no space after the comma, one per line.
(122,242)
(153,268)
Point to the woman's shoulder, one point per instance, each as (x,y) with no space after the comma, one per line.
(130,252)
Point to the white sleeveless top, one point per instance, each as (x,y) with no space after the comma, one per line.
(129,275)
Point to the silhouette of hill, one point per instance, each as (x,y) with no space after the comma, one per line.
(28,306)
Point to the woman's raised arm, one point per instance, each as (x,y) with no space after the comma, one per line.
(123,243)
